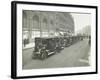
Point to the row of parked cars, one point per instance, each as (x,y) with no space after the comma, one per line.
(46,46)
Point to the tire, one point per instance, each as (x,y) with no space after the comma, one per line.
(34,56)
(44,55)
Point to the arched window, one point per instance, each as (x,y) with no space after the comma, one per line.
(24,14)
(35,27)
(45,27)
(24,20)
(35,22)
(52,23)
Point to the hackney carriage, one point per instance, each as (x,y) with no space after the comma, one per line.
(46,46)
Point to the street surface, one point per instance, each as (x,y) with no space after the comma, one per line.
(75,55)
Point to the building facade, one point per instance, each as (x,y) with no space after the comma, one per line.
(46,24)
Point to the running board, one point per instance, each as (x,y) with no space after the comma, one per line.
(50,53)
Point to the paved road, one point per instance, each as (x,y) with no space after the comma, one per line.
(69,57)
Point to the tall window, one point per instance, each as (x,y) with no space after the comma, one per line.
(35,27)
(35,22)
(45,28)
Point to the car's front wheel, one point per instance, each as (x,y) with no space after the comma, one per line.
(44,55)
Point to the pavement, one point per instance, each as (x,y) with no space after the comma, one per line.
(74,56)
(30,45)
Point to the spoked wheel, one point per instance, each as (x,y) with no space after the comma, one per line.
(44,55)
(33,55)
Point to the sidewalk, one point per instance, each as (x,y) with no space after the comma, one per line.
(30,45)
